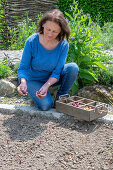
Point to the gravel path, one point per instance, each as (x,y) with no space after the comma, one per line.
(17,54)
(15,100)
(37,143)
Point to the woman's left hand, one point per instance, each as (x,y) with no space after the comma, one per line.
(42,92)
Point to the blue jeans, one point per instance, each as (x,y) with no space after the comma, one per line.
(67,78)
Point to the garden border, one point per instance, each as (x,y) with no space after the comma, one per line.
(52,113)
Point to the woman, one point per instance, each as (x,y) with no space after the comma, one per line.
(43,61)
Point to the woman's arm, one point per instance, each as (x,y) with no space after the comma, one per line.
(60,64)
(25,63)
(24,69)
(51,81)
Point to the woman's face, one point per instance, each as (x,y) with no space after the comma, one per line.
(51,30)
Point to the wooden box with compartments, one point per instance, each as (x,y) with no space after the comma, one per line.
(81,108)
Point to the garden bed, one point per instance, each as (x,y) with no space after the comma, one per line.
(33,142)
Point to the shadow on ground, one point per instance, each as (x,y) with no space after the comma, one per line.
(25,127)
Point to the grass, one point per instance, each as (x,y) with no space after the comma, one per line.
(107,36)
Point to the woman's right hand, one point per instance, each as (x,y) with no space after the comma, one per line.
(22,88)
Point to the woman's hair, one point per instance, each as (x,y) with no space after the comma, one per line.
(57,17)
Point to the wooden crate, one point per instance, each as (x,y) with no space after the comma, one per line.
(84,109)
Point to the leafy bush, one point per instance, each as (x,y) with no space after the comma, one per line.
(107,35)
(7,61)
(101,11)
(84,48)
(64,5)
(2,27)
(5,70)
(106,77)
(23,31)
(16,66)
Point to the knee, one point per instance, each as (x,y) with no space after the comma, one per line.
(73,68)
(45,107)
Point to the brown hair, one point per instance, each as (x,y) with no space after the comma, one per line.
(57,17)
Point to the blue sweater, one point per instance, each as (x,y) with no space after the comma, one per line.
(38,63)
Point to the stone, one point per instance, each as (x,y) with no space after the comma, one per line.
(98,93)
(13,80)
(6,88)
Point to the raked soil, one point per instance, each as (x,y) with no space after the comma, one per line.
(39,143)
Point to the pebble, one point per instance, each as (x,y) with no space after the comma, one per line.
(105,168)
(76,126)
(15,55)
(15,100)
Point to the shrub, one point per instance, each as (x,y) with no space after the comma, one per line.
(106,77)
(16,66)
(7,61)
(84,48)
(20,34)
(2,27)
(64,5)
(107,35)
(5,70)
(101,11)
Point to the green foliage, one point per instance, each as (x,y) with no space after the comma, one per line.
(16,66)
(7,61)
(64,5)
(107,36)
(16,92)
(1,24)
(20,34)
(83,47)
(5,70)
(101,11)
(106,77)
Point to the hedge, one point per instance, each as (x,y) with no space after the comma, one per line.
(101,10)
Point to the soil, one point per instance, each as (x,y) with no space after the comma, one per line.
(39,143)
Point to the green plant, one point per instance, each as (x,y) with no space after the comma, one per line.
(64,5)
(106,77)
(7,61)
(84,48)
(16,66)
(101,11)
(1,24)
(16,92)
(20,34)
(5,70)
(107,35)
